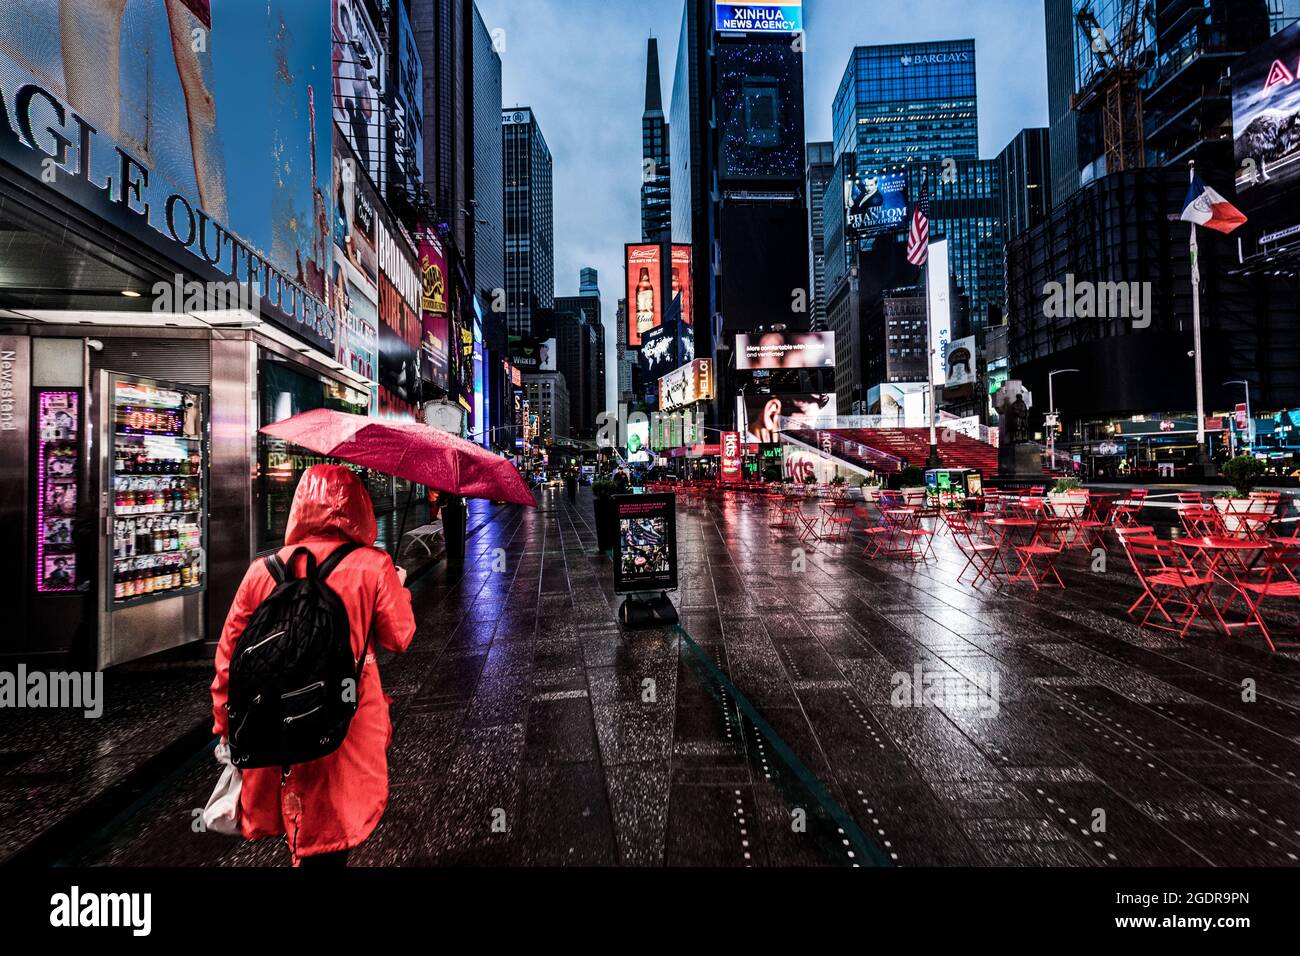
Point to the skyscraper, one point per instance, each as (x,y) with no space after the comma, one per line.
(912,108)
(908,102)
(580,346)
(1024,168)
(1185,51)
(821,166)
(656,171)
(486,211)
(738,183)
(530,225)
(1063,122)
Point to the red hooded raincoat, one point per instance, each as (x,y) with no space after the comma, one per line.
(335,802)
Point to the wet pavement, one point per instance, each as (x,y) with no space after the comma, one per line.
(531,729)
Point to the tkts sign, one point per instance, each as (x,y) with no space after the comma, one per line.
(733,456)
(46,139)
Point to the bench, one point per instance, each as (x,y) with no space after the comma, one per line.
(425,535)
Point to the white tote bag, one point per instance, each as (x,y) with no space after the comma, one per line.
(221,815)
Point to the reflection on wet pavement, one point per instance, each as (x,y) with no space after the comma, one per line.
(786,723)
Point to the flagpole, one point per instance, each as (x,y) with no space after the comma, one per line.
(1201,451)
(933,460)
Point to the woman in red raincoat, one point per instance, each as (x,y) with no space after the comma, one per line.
(328,806)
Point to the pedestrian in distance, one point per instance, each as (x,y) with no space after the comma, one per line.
(571,485)
(323,807)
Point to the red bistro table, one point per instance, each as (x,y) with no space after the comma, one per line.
(1224,559)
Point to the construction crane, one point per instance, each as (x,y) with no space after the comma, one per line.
(1116,86)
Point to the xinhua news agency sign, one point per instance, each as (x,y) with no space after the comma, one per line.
(771,17)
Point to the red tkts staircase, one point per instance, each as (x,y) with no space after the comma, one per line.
(902,444)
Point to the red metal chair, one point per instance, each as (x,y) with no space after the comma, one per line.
(982,555)
(1038,558)
(1127,512)
(1168,582)
(1277,581)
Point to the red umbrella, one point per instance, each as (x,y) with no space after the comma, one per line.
(418,453)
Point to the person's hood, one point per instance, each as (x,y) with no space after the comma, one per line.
(331,504)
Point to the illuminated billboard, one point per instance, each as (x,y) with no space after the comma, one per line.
(435,320)
(782,350)
(760,111)
(408,109)
(533,355)
(772,16)
(645,298)
(940,310)
(686,386)
(681,281)
(360,78)
(959,364)
(767,415)
(1266,114)
(211,120)
(876,203)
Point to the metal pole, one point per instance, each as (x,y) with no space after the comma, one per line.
(1051,410)
(1202,451)
(933,461)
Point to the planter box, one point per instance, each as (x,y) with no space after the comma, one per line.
(1069,504)
(1233,508)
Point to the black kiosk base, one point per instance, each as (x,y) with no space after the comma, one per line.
(638,611)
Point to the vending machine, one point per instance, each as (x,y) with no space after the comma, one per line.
(153,452)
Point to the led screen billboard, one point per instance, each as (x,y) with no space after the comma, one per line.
(766,16)
(687,385)
(435,322)
(211,121)
(1266,116)
(661,351)
(940,309)
(533,355)
(408,109)
(959,364)
(645,299)
(876,203)
(784,350)
(360,79)
(681,282)
(767,415)
(760,111)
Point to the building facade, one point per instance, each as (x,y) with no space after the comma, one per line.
(1025,174)
(656,170)
(580,343)
(821,169)
(529,219)
(547,395)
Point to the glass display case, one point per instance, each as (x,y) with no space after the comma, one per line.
(157,500)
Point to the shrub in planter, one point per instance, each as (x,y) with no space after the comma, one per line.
(1244,472)
(1067,497)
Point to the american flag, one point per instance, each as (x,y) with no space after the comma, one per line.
(918,240)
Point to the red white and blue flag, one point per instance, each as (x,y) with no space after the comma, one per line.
(918,239)
(1207,208)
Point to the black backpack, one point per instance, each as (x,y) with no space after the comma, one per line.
(293,681)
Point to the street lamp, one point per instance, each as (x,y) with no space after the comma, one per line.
(1051,411)
(1250,419)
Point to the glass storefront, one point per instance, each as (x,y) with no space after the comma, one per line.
(284,391)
